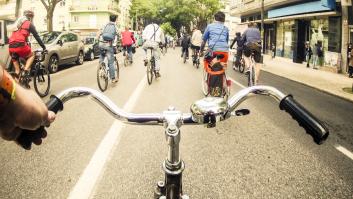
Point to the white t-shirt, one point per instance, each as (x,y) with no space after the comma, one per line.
(148,32)
(196,38)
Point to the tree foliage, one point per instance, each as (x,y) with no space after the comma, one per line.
(177,12)
(168,29)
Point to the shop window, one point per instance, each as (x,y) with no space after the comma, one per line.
(334,35)
(280,39)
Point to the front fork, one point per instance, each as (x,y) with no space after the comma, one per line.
(173,166)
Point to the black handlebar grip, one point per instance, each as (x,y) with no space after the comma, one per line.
(55,104)
(309,122)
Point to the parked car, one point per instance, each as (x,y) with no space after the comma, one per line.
(63,47)
(91,49)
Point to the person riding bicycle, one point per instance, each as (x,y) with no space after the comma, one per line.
(185,44)
(127,39)
(252,44)
(215,60)
(153,36)
(18,42)
(108,35)
(196,41)
(240,46)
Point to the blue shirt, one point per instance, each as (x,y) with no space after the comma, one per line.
(216,37)
(251,35)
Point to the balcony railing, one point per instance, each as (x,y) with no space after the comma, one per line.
(94,8)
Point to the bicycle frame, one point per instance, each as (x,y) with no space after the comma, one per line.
(207,111)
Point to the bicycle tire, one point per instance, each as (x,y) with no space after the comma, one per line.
(150,72)
(126,61)
(41,72)
(184,57)
(253,75)
(242,66)
(102,75)
(204,83)
(117,70)
(197,63)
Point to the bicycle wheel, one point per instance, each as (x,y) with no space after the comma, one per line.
(117,72)
(41,80)
(226,88)
(184,57)
(126,61)
(251,76)
(102,77)
(197,62)
(241,66)
(150,72)
(204,83)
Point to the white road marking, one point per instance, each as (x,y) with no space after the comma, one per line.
(86,183)
(237,83)
(345,151)
(338,147)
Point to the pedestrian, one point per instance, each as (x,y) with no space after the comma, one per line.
(350,61)
(185,44)
(308,54)
(273,49)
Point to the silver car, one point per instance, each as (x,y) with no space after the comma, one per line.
(63,47)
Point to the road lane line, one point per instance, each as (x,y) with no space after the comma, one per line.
(344,151)
(88,179)
(237,83)
(340,148)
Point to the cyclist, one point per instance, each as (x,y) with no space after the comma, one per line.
(18,46)
(21,109)
(127,39)
(240,46)
(153,36)
(252,43)
(185,44)
(108,35)
(196,40)
(215,61)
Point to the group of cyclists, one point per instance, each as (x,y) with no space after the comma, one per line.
(216,35)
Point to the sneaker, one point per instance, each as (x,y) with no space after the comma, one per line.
(115,80)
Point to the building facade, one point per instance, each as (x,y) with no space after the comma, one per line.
(61,18)
(231,21)
(88,16)
(288,24)
(124,17)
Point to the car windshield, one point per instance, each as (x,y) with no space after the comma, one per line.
(48,38)
(89,40)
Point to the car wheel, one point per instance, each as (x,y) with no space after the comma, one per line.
(80,58)
(91,56)
(53,64)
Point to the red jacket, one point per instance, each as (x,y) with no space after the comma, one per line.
(21,35)
(127,38)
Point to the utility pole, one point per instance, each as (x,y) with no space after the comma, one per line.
(262,25)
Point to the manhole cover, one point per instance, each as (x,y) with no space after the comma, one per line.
(348,90)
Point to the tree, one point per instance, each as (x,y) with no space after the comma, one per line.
(168,29)
(50,6)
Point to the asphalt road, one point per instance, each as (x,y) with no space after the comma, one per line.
(262,155)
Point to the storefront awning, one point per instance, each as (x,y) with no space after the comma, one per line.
(308,7)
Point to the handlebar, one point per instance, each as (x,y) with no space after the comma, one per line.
(205,111)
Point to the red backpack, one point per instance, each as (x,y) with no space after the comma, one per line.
(20,35)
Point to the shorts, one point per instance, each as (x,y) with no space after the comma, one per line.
(21,52)
(257,53)
(198,48)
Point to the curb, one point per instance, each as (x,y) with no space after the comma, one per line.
(311,86)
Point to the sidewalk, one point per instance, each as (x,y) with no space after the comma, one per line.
(328,82)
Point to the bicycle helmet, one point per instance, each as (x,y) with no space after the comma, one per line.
(28,13)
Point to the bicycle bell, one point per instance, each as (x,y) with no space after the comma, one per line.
(209,110)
